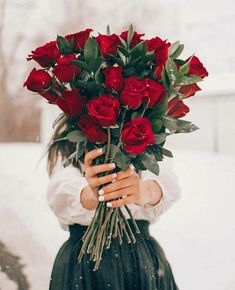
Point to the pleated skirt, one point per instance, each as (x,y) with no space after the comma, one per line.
(139,266)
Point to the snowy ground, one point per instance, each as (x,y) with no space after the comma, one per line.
(197,233)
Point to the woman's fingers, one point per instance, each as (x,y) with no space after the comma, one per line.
(115,194)
(97,181)
(117,185)
(94,170)
(89,156)
(120,202)
(126,173)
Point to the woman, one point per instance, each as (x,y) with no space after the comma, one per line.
(72,195)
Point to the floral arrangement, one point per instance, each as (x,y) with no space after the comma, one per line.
(122,93)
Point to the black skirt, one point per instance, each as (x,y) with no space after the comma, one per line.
(139,266)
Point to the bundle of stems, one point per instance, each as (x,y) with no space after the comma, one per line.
(107,223)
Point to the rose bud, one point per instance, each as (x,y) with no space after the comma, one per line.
(160,48)
(133,92)
(38,80)
(135,39)
(105,109)
(65,71)
(137,135)
(71,103)
(189,90)
(45,55)
(197,68)
(78,39)
(93,132)
(50,97)
(154,93)
(108,44)
(113,78)
(177,109)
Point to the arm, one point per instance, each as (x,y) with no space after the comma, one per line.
(63,196)
(168,182)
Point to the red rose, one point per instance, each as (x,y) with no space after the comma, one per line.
(78,39)
(133,92)
(65,71)
(71,103)
(135,39)
(38,80)
(160,48)
(197,68)
(177,109)
(113,78)
(108,44)
(105,109)
(50,97)
(189,90)
(45,55)
(154,93)
(93,132)
(137,135)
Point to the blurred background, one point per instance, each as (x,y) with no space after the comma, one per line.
(198,232)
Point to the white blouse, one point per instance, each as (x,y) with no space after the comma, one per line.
(65,185)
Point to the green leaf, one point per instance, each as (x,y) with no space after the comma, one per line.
(80,148)
(184,69)
(188,80)
(173,48)
(123,42)
(108,30)
(61,118)
(160,138)
(120,158)
(91,49)
(178,52)
(165,79)
(69,160)
(170,123)
(139,50)
(95,63)
(167,153)
(150,162)
(82,65)
(185,126)
(172,71)
(130,35)
(76,136)
(64,45)
(116,59)
(124,50)
(156,124)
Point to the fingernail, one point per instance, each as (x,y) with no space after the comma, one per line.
(101,198)
(109,204)
(112,165)
(100,150)
(114,175)
(114,180)
(101,191)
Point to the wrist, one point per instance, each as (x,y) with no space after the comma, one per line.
(88,199)
(151,193)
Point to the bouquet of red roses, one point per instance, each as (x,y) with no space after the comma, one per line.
(122,93)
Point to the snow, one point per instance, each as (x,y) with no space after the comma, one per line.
(197,233)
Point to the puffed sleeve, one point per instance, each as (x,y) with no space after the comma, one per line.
(169,183)
(63,196)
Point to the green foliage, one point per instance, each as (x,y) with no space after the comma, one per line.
(64,45)
(76,136)
(91,49)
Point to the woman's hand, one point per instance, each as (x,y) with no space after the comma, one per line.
(89,194)
(127,185)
